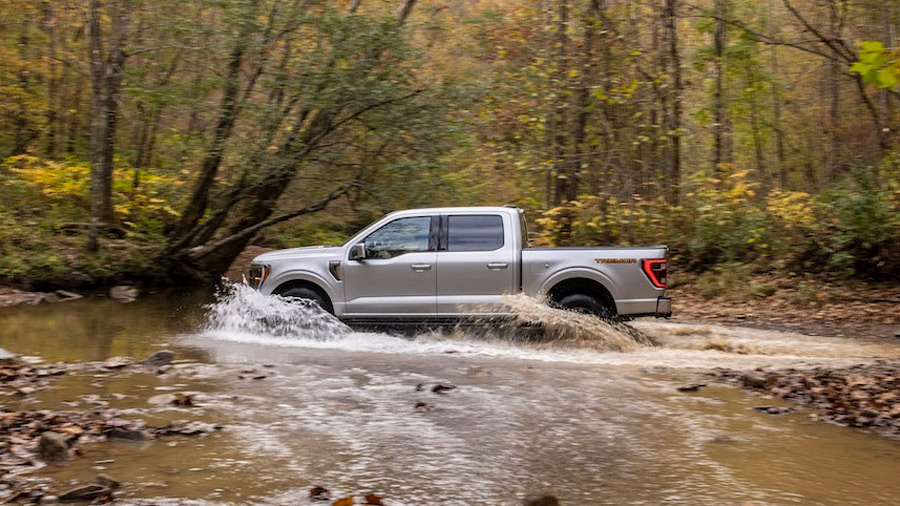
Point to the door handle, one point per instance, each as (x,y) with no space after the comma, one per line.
(496,266)
(420,267)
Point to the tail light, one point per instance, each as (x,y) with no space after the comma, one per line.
(655,269)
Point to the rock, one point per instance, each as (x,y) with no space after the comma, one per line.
(165,369)
(774,410)
(52,447)
(67,296)
(117,362)
(691,388)
(26,390)
(441,388)
(751,380)
(49,499)
(84,493)
(540,500)
(423,407)
(128,434)
(108,481)
(124,293)
(163,399)
(7,358)
(158,359)
(319,493)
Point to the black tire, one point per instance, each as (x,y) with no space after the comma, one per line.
(582,303)
(301,292)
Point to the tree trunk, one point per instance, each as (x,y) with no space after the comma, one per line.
(718,92)
(97,122)
(228,112)
(674,177)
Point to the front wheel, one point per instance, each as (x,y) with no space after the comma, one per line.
(582,303)
(310,295)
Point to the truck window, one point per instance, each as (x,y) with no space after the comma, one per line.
(475,233)
(403,235)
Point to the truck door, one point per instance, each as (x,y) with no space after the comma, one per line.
(476,263)
(398,275)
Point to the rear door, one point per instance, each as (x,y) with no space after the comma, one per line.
(476,263)
(398,275)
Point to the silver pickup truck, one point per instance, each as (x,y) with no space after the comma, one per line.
(445,264)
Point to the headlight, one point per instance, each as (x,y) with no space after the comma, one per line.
(257,274)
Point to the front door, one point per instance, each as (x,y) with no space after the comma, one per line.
(399,274)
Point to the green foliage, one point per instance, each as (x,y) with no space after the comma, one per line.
(877,65)
(851,229)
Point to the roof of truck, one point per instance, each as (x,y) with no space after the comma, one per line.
(492,209)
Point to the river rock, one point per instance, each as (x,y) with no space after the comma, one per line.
(751,380)
(124,293)
(158,359)
(52,447)
(84,493)
(117,362)
(540,500)
(128,434)
(7,358)
(108,481)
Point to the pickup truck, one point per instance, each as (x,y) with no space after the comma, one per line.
(440,265)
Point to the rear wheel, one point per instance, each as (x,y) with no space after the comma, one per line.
(303,293)
(582,303)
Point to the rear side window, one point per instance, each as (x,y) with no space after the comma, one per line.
(475,233)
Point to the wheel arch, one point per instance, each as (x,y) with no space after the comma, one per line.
(579,284)
(305,283)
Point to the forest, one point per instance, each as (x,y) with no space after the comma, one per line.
(153,141)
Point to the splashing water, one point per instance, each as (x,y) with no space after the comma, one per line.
(577,330)
(241,313)
(244,310)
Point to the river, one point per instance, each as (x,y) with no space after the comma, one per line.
(307,402)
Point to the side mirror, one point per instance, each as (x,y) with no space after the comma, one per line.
(358,251)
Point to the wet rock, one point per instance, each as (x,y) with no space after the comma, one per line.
(65,295)
(7,358)
(420,387)
(117,362)
(165,369)
(185,428)
(128,434)
(773,410)
(85,493)
(540,500)
(26,390)
(442,388)
(52,447)
(319,493)
(124,293)
(163,400)
(691,388)
(753,380)
(423,407)
(158,359)
(108,481)
(49,499)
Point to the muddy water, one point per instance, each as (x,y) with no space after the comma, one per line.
(337,408)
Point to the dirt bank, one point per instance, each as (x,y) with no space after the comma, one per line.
(841,309)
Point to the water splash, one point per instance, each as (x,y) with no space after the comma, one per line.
(240,309)
(561,328)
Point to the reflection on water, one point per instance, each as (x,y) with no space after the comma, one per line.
(339,410)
